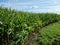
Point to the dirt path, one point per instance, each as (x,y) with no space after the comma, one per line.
(32,39)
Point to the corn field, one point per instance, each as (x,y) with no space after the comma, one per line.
(15,26)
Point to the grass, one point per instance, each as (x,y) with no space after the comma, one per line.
(50,35)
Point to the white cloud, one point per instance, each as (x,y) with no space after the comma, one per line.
(55,9)
(56,1)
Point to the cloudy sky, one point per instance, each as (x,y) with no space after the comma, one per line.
(32,5)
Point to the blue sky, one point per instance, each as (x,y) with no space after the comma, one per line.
(33,5)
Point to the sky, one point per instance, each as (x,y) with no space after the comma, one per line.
(52,6)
